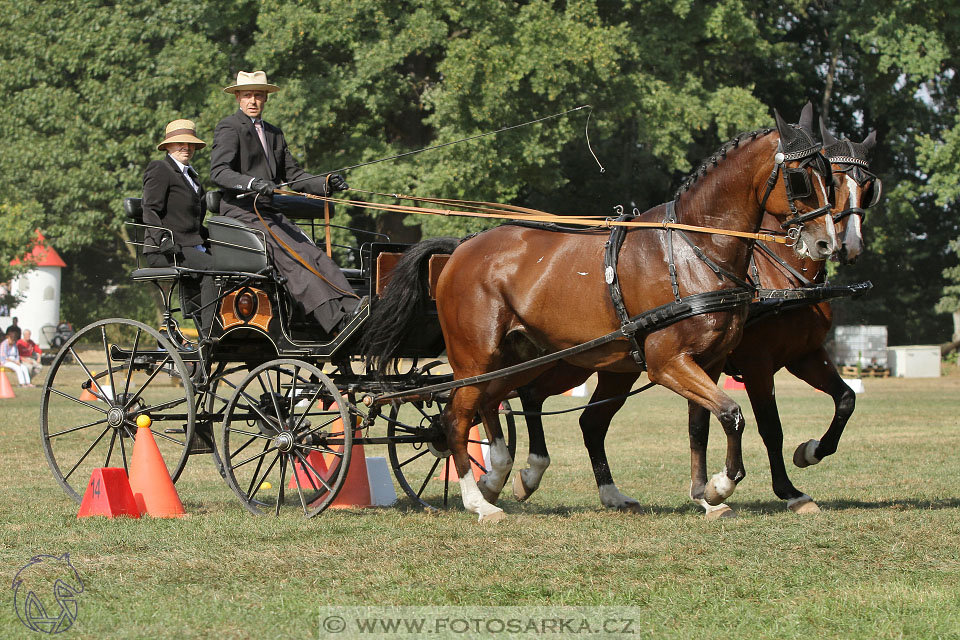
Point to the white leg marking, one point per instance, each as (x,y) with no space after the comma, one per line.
(500,465)
(474,503)
(720,510)
(537,466)
(809,452)
(722,484)
(611,498)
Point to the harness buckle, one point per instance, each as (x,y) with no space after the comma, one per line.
(793,233)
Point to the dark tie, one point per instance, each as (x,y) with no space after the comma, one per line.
(193,176)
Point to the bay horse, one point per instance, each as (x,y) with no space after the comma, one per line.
(512,293)
(793,339)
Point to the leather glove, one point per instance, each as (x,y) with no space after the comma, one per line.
(263,187)
(337,183)
(168,247)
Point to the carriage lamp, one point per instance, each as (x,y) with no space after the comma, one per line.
(246,304)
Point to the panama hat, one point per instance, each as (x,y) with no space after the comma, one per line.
(181,131)
(255,81)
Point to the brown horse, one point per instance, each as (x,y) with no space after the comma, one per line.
(793,339)
(515,292)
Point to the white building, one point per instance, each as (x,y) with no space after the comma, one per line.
(40,291)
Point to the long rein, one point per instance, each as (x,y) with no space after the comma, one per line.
(491,210)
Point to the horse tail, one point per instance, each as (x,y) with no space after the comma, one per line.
(403,305)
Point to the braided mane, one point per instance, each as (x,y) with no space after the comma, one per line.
(715,159)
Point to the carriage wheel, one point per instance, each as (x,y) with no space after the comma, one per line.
(89,408)
(283,442)
(423,467)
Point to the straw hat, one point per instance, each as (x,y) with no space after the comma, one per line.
(254,81)
(182,131)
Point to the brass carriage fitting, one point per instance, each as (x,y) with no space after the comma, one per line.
(368,400)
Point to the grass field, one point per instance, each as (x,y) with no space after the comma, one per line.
(881,561)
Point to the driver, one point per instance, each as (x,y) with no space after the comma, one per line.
(250,154)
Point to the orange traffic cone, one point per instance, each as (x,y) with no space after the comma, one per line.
(6,390)
(356,486)
(733,383)
(108,494)
(306,475)
(149,479)
(474,450)
(87,394)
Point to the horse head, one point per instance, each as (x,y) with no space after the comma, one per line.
(857,188)
(800,191)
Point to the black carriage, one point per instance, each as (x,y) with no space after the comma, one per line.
(274,401)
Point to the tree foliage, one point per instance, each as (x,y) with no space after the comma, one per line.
(91,85)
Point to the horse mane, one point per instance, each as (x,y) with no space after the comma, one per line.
(717,157)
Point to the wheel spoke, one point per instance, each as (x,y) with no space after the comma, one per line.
(123,454)
(77,400)
(87,452)
(106,353)
(283,478)
(313,473)
(409,460)
(72,429)
(256,471)
(146,382)
(264,476)
(252,458)
(113,440)
(430,473)
(296,477)
(136,343)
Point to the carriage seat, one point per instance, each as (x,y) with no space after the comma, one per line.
(234,246)
(133,207)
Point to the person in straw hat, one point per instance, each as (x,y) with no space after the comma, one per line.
(173,200)
(250,157)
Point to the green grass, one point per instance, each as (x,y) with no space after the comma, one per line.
(881,560)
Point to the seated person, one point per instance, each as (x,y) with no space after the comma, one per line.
(173,199)
(29,353)
(251,155)
(10,358)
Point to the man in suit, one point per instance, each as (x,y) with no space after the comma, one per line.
(250,156)
(173,201)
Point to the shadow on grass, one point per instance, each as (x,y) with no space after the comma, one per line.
(779,506)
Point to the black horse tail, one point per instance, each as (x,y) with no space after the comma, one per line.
(403,305)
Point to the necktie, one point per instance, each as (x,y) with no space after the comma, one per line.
(194,179)
(258,124)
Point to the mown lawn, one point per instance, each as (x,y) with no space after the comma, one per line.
(881,561)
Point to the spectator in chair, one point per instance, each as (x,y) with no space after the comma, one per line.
(10,358)
(29,353)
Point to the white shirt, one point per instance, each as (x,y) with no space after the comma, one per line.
(183,170)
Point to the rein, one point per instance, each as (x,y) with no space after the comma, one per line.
(479,209)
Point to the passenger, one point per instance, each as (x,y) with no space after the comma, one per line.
(173,199)
(251,155)
(10,358)
(29,353)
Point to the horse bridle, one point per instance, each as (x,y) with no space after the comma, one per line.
(797,184)
(856,169)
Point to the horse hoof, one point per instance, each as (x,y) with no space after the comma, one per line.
(803,505)
(630,507)
(487,493)
(718,489)
(520,490)
(805,455)
(493,517)
(721,511)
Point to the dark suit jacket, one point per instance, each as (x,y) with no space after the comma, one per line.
(170,202)
(238,156)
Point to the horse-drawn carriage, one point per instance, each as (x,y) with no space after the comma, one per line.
(281,408)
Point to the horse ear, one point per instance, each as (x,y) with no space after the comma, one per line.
(806,118)
(871,140)
(826,137)
(787,133)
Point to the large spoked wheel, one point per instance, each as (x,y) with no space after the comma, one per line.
(286,439)
(105,376)
(420,457)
